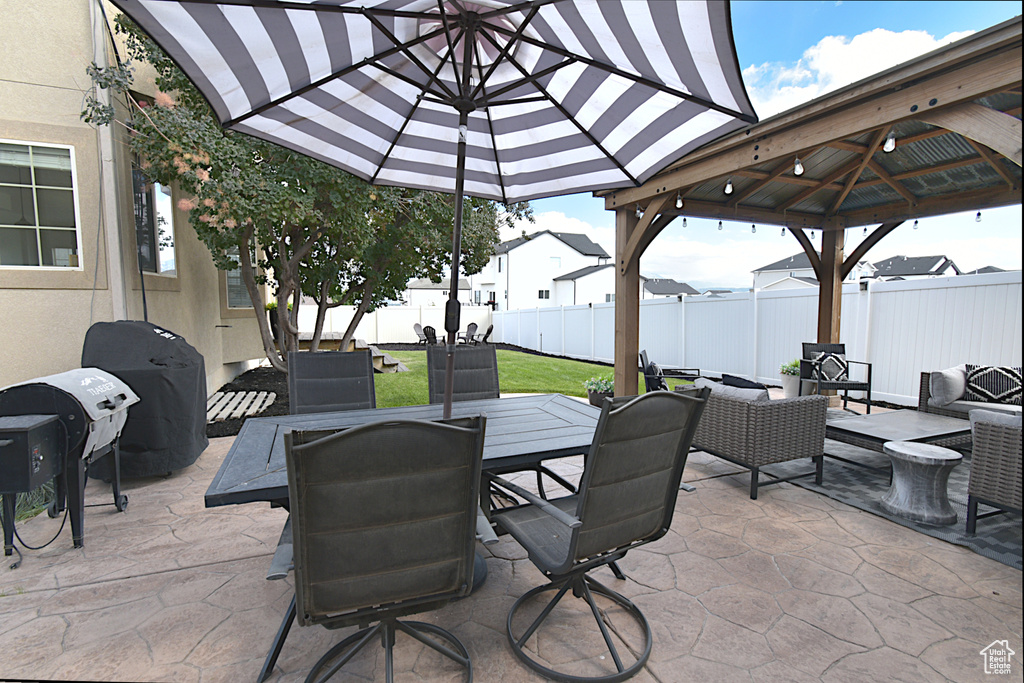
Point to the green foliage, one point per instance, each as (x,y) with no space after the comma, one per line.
(600,384)
(790,368)
(310,228)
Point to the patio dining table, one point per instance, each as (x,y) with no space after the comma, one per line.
(521,431)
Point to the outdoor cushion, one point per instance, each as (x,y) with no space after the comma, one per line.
(995,417)
(741,382)
(994,384)
(833,367)
(966,407)
(946,386)
(718,389)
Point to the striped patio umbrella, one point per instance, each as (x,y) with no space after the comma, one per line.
(503,100)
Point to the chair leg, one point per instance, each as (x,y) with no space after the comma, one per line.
(754,474)
(972,514)
(819,468)
(275,648)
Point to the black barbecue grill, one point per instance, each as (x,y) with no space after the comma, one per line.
(91,406)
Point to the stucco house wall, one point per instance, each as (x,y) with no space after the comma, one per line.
(47,45)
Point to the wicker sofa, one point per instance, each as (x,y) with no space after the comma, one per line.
(745,428)
(995,464)
(927,402)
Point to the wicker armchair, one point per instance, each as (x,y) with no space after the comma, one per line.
(995,465)
(753,434)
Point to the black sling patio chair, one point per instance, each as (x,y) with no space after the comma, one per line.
(626,499)
(327,381)
(384,526)
(476,373)
(828,369)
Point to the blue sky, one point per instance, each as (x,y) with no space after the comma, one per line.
(792,52)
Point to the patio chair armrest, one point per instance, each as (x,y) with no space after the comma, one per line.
(565,518)
(484,531)
(281,564)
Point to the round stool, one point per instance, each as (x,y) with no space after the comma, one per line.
(920,472)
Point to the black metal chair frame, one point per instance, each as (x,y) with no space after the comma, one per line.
(572,514)
(348,375)
(386,614)
(809,367)
(482,338)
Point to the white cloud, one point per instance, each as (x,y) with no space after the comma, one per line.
(835,61)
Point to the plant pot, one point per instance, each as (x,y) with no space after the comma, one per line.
(790,385)
(597,397)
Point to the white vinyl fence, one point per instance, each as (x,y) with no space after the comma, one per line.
(392,324)
(902,328)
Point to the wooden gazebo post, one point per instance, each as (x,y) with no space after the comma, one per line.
(627,305)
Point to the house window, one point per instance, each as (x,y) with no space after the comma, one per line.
(499,264)
(609,298)
(154,225)
(544,294)
(38,206)
(476,297)
(237,294)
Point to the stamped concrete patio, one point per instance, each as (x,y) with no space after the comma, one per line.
(791,587)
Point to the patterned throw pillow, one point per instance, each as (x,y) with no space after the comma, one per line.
(833,367)
(993,384)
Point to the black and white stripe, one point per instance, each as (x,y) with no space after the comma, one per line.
(637,86)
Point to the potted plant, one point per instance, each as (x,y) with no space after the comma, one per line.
(790,378)
(599,387)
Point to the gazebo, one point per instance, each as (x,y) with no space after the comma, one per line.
(954,116)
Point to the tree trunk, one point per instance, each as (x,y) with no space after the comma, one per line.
(364,303)
(245,263)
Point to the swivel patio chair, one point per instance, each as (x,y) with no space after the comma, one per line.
(467,338)
(476,373)
(827,367)
(626,499)
(408,486)
(327,381)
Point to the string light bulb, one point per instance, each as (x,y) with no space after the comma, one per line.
(728,186)
(783,233)
(890,142)
(977,218)
(915,224)
(679,200)
(639,211)
(798,167)
(753,228)
(865,231)
(719,225)
(812,234)
(684,221)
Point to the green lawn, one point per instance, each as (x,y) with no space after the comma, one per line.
(518,373)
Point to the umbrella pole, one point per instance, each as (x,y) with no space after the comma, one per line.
(451,313)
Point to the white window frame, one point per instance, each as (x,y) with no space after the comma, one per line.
(75,203)
(227,285)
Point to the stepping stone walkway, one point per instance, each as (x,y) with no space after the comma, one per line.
(226,405)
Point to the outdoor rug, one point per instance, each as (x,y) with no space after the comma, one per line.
(998,537)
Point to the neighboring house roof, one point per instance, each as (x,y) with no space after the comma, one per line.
(794,262)
(668,287)
(986,269)
(580,243)
(781,283)
(908,266)
(424,283)
(582,272)
(715,292)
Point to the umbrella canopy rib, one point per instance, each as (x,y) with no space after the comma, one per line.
(636,78)
(319,83)
(490,128)
(527,77)
(406,51)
